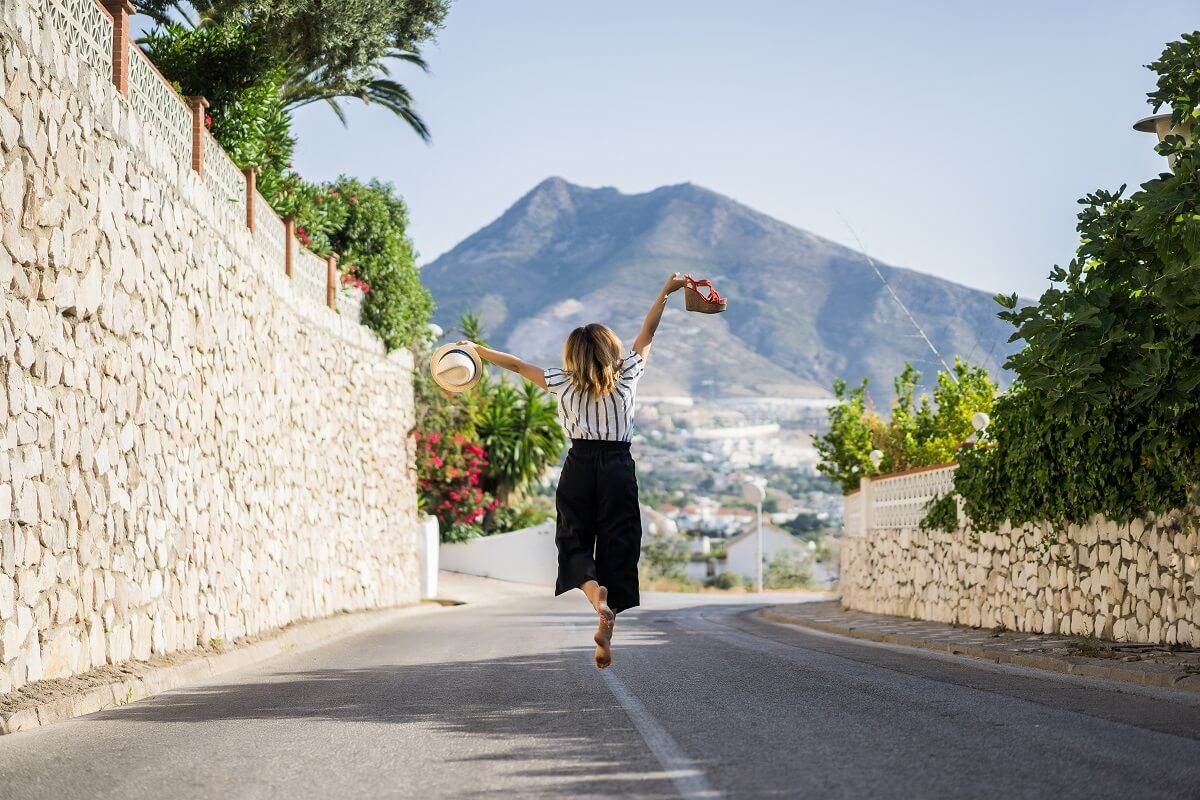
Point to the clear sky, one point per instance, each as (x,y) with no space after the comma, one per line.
(954,136)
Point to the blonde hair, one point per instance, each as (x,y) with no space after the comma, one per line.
(592,356)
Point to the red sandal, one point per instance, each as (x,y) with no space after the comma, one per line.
(713,303)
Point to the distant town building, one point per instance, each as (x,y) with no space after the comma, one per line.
(741,550)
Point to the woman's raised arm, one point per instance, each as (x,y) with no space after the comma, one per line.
(645,337)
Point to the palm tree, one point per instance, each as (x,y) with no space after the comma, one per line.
(305,85)
(521,434)
(309,76)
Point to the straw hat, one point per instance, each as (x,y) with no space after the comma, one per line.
(456,367)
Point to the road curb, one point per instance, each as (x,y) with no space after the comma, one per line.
(156,679)
(1165,678)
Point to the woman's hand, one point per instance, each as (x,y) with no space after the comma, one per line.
(479,349)
(674,283)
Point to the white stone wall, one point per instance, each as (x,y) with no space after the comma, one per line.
(189,449)
(1131,583)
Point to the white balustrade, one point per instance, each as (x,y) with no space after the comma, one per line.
(227,184)
(269,233)
(350,302)
(901,501)
(87,28)
(309,275)
(158,106)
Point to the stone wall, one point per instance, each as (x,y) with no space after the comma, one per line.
(190,449)
(1131,583)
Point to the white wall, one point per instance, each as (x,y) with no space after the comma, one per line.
(190,447)
(740,554)
(525,556)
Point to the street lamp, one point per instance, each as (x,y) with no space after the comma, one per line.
(755,491)
(1161,125)
(979,421)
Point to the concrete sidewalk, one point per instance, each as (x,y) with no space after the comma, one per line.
(45,702)
(1167,666)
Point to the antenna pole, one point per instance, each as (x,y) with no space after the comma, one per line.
(896,297)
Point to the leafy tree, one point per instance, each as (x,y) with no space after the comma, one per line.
(845,450)
(328,53)
(1105,415)
(373,242)
(921,431)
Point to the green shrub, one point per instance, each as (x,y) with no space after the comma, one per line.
(372,239)
(231,67)
(787,570)
(448,472)
(1104,417)
(519,517)
(726,580)
(664,557)
(921,431)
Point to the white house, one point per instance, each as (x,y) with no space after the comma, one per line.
(740,551)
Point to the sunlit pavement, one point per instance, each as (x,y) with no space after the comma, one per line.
(704,700)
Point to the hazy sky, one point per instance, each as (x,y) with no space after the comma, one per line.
(954,136)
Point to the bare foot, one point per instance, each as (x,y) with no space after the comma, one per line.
(603,637)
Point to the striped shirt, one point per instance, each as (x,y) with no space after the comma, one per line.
(609,418)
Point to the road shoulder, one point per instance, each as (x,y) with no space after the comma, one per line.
(1144,665)
(55,700)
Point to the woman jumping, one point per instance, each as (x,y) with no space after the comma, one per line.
(599,531)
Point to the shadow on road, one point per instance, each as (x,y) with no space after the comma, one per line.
(546,716)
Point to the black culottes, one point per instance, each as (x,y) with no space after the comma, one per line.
(599,532)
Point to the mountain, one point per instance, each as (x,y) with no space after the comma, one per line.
(802,310)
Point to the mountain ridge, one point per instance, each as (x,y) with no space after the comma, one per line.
(802,311)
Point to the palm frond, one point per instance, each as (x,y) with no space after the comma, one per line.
(408,57)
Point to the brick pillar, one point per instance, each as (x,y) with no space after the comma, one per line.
(251,187)
(198,104)
(331,272)
(121,11)
(289,244)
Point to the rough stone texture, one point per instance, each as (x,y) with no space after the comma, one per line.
(189,449)
(1129,583)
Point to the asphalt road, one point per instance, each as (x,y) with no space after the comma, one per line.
(703,700)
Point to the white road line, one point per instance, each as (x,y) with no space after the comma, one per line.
(689,780)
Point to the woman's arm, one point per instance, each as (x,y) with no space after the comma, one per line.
(645,338)
(512,363)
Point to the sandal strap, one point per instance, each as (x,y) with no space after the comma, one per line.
(713,296)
